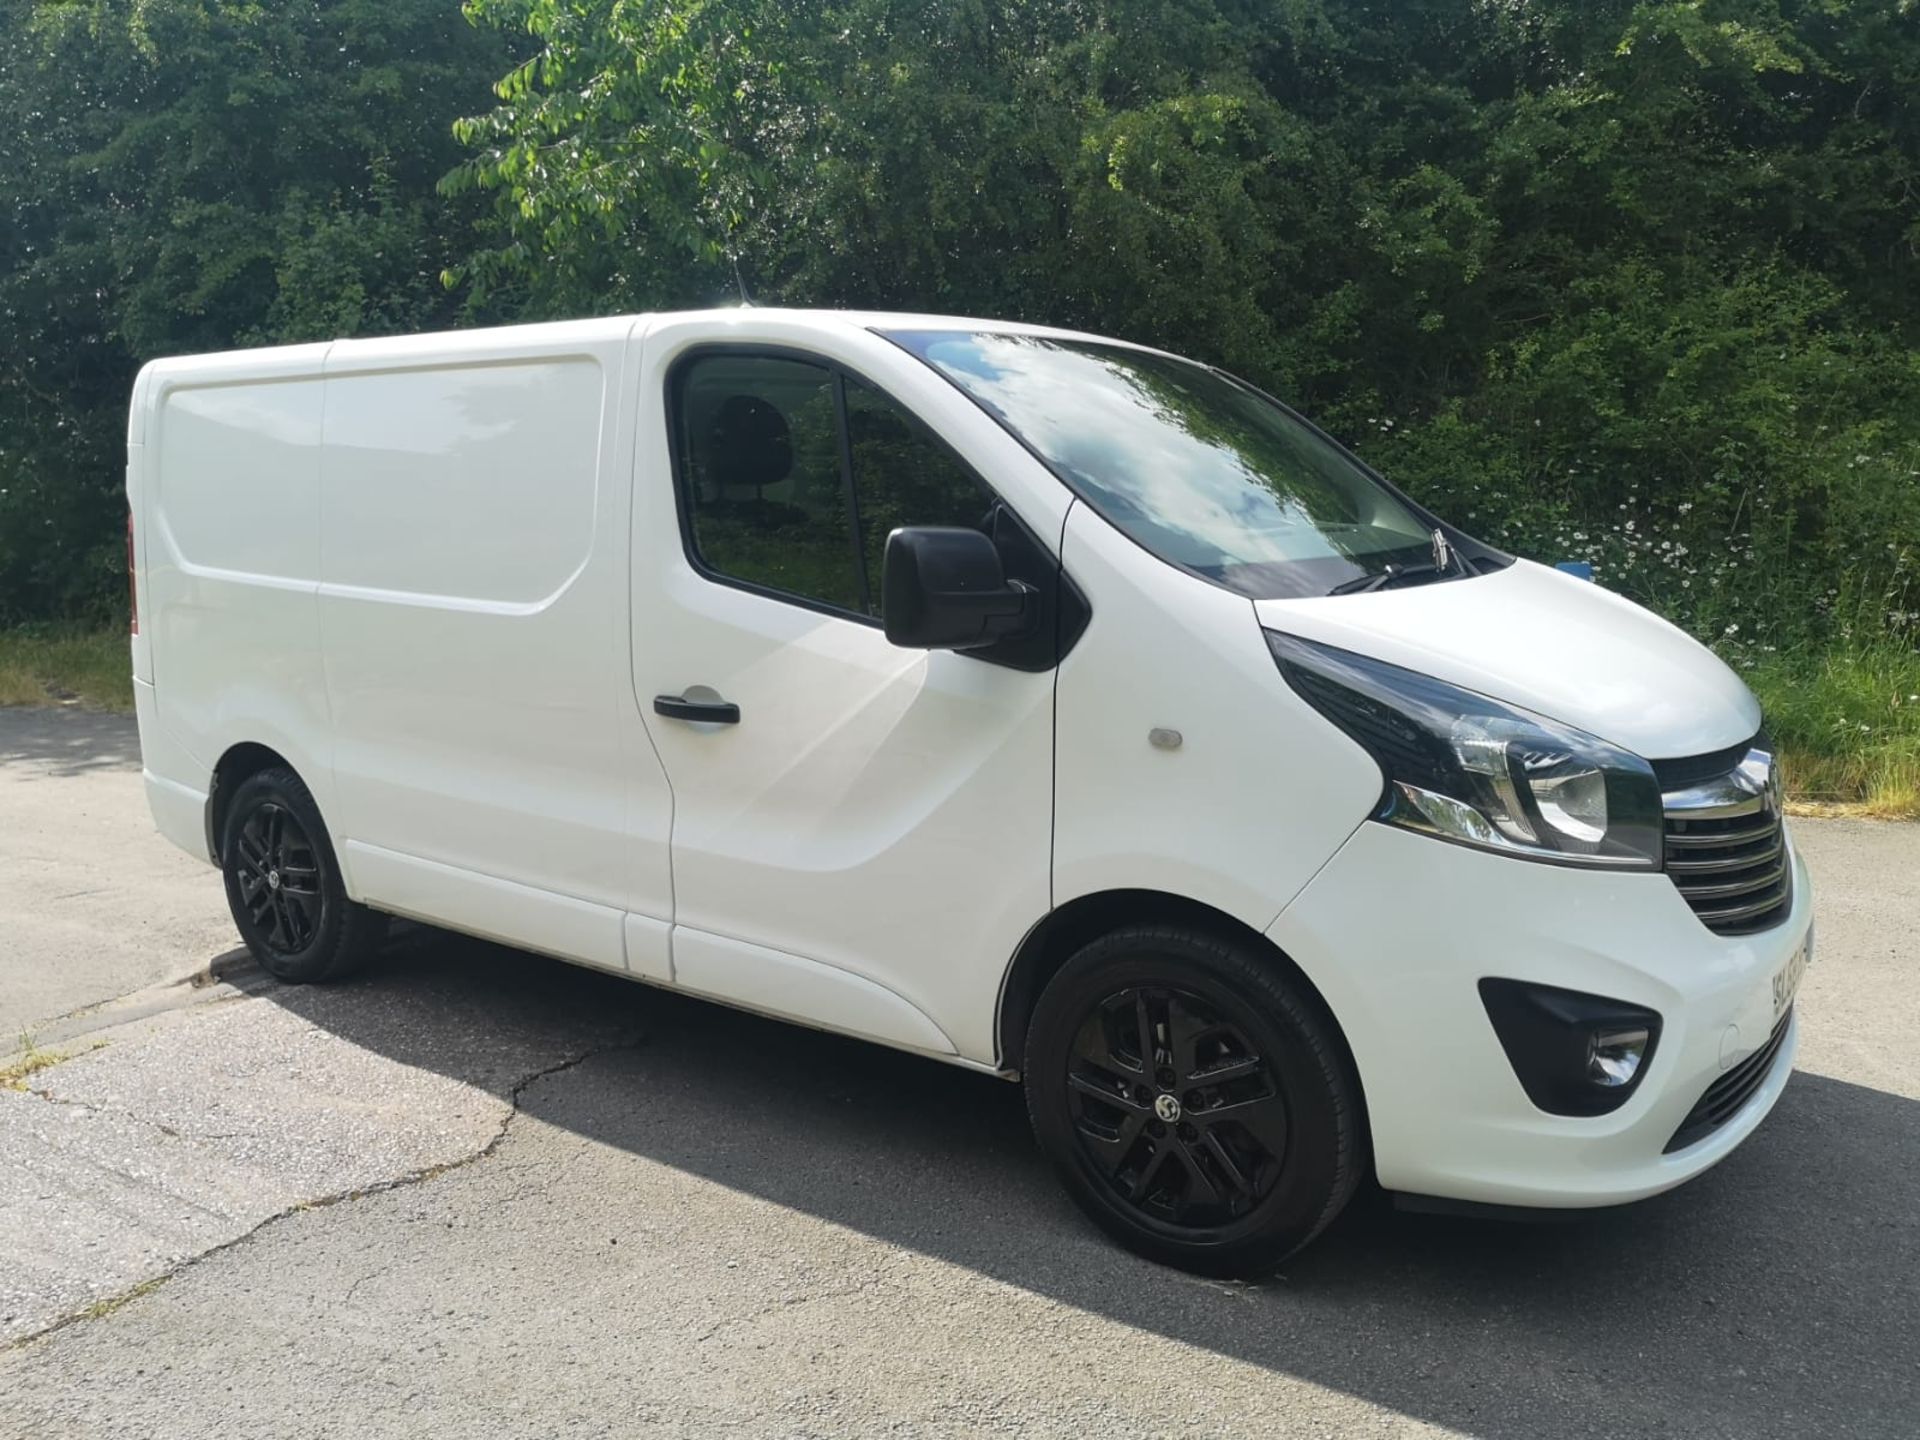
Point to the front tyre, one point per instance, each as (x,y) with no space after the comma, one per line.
(1195,1100)
(283,884)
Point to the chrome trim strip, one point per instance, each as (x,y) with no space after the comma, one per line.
(1728,863)
(1715,800)
(1740,843)
(1722,839)
(1732,914)
(1734,887)
(1744,790)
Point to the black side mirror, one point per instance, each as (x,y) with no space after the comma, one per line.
(944,588)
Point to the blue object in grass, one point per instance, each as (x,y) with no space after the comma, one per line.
(1579,569)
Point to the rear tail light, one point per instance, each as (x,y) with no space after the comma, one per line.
(133,585)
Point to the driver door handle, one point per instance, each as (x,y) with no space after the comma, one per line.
(710,712)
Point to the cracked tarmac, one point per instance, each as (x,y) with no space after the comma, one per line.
(189,1129)
(673,1219)
(92,903)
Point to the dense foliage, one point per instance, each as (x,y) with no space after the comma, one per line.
(1635,282)
(182,175)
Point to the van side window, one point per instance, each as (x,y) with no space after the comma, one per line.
(776,491)
(902,475)
(763,481)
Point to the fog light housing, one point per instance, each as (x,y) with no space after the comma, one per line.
(1614,1056)
(1573,1053)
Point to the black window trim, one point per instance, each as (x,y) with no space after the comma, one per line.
(843,436)
(839,373)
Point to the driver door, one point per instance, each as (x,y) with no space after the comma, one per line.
(861,833)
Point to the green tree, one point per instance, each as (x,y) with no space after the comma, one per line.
(1635,280)
(1631,280)
(190,175)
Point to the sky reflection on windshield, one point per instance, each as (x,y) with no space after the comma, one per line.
(1202,472)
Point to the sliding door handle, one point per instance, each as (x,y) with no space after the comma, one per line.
(709,712)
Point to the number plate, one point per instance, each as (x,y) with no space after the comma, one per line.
(1786,980)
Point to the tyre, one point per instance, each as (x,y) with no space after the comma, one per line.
(1195,1099)
(283,884)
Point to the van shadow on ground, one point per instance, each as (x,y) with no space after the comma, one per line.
(1776,1295)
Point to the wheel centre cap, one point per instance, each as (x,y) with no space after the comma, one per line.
(273,883)
(1167,1107)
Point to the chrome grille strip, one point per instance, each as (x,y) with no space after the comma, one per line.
(1721,916)
(1714,802)
(1719,866)
(1704,840)
(1726,850)
(1733,887)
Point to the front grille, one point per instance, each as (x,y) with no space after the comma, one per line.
(1726,1096)
(1726,849)
(1733,871)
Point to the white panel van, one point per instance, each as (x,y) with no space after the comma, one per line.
(1031,701)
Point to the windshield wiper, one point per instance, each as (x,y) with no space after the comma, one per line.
(1392,575)
(1446,561)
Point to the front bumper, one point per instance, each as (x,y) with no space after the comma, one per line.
(1398,929)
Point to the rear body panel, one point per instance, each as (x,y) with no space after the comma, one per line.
(401,566)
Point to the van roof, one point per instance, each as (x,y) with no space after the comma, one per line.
(895,320)
(305,358)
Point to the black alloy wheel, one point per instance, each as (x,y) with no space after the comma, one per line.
(1176,1107)
(283,884)
(1195,1097)
(279,878)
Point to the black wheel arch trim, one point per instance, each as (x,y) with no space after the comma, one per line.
(1066,928)
(247,758)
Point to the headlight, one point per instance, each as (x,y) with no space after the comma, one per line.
(1472,769)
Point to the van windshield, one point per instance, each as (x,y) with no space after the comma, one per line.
(1204,472)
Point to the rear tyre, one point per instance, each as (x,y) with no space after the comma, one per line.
(283,884)
(1195,1099)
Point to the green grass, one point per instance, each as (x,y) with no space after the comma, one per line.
(100,1309)
(43,665)
(1847,723)
(1847,720)
(30,1060)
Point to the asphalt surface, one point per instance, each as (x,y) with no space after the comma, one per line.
(484,1194)
(92,905)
